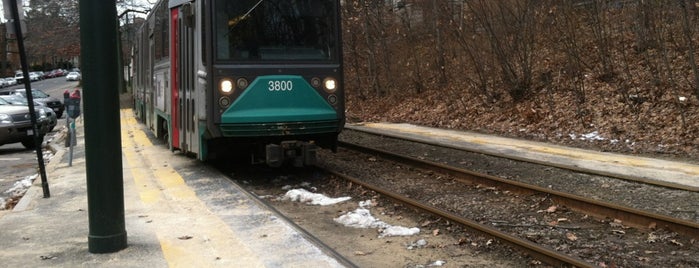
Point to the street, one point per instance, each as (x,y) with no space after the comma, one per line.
(19,165)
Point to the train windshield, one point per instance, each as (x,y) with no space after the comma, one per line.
(276,30)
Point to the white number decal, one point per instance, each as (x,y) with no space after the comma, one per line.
(277,85)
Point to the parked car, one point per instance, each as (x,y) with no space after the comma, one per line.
(3,83)
(11,81)
(50,120)
(16,125)
(73,76)
(19,77)
(33,76)
(41,97)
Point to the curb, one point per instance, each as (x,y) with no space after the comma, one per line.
(35,190)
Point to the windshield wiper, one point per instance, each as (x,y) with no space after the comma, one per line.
(234,21)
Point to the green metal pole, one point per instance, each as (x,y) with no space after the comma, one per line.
(105,182)
(38,138)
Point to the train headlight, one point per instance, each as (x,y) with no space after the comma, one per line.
(226,86)
(330,84)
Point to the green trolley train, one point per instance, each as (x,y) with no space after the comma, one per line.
(219,78)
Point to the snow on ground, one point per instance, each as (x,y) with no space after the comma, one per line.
(18,189)
(362,218)
(304,196)
(592,136)
(21,186)
(359,218)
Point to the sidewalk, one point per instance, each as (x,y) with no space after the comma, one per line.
(53,231)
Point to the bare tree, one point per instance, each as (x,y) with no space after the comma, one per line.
(440,64)
(688,35)
(598,15)
(50,48)
(567,35)
(511,30)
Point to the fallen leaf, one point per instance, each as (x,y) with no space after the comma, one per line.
(678,243)
(652,225)
(571,236)
(551,209)
(435,232)
(359,253)
(618,232)
(185,237)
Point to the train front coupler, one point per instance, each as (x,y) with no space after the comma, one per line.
(300,153)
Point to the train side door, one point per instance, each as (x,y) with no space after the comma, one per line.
(184,79)
(175,85)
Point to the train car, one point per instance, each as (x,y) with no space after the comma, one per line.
(263,78)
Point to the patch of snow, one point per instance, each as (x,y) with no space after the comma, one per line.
(361,218)
(437,263)
(366,204)
(3,203)
(399,231)
(592,136)
(21,186)
(304,196)
(417,244)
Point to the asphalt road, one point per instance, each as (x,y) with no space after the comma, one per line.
(18,163)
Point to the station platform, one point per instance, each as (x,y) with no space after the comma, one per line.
(177,214)
(665,173)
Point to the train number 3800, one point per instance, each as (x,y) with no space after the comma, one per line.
(280,85)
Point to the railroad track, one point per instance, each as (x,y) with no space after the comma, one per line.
(541,253)
(589,206)
(599,209)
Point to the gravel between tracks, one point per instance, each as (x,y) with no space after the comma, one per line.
(443,241)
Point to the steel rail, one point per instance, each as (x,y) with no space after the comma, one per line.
(598,209)
(538,252)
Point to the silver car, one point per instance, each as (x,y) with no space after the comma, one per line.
(11,81)
(16,125)
(51,119)
(73,76)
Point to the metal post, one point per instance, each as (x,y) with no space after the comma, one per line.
(38,137)
(71,139)
(105,183)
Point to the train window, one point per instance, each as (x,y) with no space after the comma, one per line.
(203,35)
(276,30)
(160,31)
